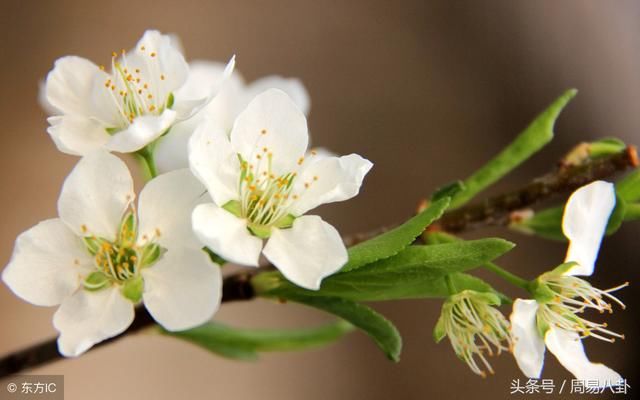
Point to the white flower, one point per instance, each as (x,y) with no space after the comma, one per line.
(262,184)
(561,297)
(101,257)
(234,95)
(474,327)
(125,109)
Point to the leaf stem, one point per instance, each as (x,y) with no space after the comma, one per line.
(507,276)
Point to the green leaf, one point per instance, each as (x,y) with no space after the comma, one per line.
(449,190)
(415,272)
(381,330)
(546,223)
(633,212)
(605,147)
(392,242)
(530,141)
(629,187)
(245,344)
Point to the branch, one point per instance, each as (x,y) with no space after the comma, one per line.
(491,211)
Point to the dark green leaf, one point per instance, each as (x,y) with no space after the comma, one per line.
(245,344)
(532,139)
(629,187)
(381,330)
(392,242)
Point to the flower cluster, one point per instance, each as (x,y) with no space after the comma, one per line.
(237,172)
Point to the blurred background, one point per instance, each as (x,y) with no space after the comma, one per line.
(427,90)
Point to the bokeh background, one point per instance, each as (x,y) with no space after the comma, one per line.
(428,90)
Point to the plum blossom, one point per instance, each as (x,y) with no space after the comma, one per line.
(171,151)
(126,108)
(553,319)
(103,255)
(262,184)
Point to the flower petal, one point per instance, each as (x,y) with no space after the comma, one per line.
(70,83)
(568,349)
(87,318)
(528,346)
(165,206)
(47,264)
(95,195)
(77,135)
(273,121)
(144,130)
(171,151)
(183,289)
(307,252)
(213,161)
(328,180)
(584,223)
(155,54)
(226,235)
(291,86)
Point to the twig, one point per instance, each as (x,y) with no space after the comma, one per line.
(490,211)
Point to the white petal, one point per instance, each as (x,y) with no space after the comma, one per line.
(77,135)
(329,180)
(271,120)
(47,264)
(584,223)
(226,235)
(95,195)
(47,107)
(183,289)
(70,84)
(144,130)
(87,318)
(167,60)
(165,206)
(171,150)
(568,349)
(205,77)
(291,86)
(187,107)
(528,346)
(307,252)
(213,161)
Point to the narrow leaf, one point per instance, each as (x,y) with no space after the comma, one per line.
(392,242)
(245,344)
(530,141)
(381,330)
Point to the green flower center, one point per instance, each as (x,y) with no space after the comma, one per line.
(119,262)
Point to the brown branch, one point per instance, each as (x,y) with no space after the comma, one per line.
(490,211)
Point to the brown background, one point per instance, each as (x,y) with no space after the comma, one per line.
(427,90)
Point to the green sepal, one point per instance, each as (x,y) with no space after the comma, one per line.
(93,244)
(285,222)
(149,254)
(132,289)
(170,100)
(127,232)
(439,332)
(96,281)
(261,231)
(234,207)
(215,258)
(542,326)
(112,131)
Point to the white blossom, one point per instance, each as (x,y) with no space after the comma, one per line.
(554,317)
(262,184)
(129,106)
(103,255)
(234,95)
